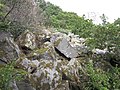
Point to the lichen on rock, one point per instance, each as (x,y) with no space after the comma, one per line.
(48,69)
(52,61)
(27,39)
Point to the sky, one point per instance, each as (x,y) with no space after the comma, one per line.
(91,8)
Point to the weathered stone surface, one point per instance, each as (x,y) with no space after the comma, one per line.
(27,39)
(78,43)
(99,51)
(65,48)
(13,85)
(8,48)
(26,12)
(4,35)
(74,40)
(22,85)
(47,75)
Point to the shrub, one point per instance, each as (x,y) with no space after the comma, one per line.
(102,80)
(9,74)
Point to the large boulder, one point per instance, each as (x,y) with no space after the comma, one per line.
(65,48)
(27,39)
(9,50)
(33,39)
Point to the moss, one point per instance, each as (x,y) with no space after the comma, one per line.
(2,65)
(48,65)
(57,42)
(41,50)
(2,53)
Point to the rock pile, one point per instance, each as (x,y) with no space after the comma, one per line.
(52,59)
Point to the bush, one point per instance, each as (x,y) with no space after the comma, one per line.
(102,80)
(15,29)
(9,74)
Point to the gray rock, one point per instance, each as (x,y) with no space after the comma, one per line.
(26,12)
(2,62)
(99,51)
(13,85)
(4,35)
(65,48)
(24,86)
(27,39)
(8,48)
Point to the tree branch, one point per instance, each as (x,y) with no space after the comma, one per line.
(9,11)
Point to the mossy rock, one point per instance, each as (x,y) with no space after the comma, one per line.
(41,50)
(56,43)
(2,53)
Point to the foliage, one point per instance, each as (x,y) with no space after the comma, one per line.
(1,11)
(104,19)
(99,36)
(15,29)
(102,80)
(3,24)
(8,74)
(50,11)
(105,37)
(117,22)
(60,19)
